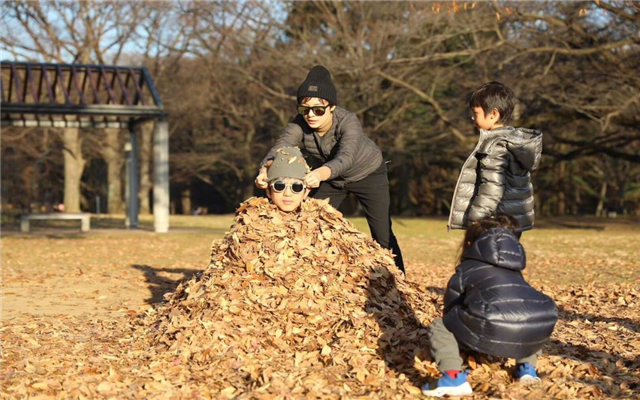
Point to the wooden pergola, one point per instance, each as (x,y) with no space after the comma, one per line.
(93,96)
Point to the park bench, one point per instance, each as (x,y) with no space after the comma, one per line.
(83,217)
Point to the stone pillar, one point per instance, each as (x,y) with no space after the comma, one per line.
(161,176)
(131,192)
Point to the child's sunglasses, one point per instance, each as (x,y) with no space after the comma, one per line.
(281,186)
(318,111)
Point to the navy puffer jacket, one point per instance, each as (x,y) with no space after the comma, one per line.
(490,308)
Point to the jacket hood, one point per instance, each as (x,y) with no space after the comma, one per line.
(526,147)
(524,144)
(498,247)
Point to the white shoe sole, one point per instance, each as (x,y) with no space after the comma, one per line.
(528,380)
(461,390)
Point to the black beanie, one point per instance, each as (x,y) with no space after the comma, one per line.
(318,84)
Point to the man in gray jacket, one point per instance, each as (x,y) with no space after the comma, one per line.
(496,177)
(347,160)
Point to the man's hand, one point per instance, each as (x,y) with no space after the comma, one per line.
(261,179)
(313,178)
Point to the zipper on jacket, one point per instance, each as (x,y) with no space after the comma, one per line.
(455,191)
(319,146)
(316,138)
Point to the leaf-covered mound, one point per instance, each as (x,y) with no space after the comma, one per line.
(300,303)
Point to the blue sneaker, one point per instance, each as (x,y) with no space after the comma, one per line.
(448,386)
(526,373)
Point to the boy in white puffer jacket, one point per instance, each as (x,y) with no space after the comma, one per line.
(496,177)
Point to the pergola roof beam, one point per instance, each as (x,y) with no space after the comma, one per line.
(109,87)
(139,95)
(91,109)
(4,99)
(83,100)
(125,95)
(118,92)
(93,85)
(14,76)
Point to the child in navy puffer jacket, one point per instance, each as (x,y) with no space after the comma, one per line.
(490,308)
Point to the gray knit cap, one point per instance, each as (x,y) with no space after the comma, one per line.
(288,163)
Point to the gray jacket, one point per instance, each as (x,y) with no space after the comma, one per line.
(344,149)
(496,178)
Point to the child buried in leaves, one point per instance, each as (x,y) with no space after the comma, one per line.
(293,289)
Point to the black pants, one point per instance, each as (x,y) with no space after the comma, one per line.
(373,194)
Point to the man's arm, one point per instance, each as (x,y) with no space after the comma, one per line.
(347,146)
(291,136)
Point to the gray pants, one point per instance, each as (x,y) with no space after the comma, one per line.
(445,350)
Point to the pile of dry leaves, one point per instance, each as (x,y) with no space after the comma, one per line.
(301,304)
(304,306)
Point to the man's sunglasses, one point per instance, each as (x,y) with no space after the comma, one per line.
(281,186)
(318,111)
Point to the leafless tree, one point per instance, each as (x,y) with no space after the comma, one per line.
(228,74)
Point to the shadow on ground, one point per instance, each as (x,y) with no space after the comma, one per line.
(569,315)
(109,226)
(403,335)
(159,284)
(587,223)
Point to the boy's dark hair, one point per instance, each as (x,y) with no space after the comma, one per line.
(323,101)
(495,95)
(478,228)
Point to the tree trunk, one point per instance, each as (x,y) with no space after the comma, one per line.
(73,167)
(27,202)
(113,155)
(603,195)
(561,206)
(186,201)
(146,152)
(248,186)
(173,207)
(575,207)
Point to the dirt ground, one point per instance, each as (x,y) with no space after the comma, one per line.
(100,273)
(590,266)
(62,271)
